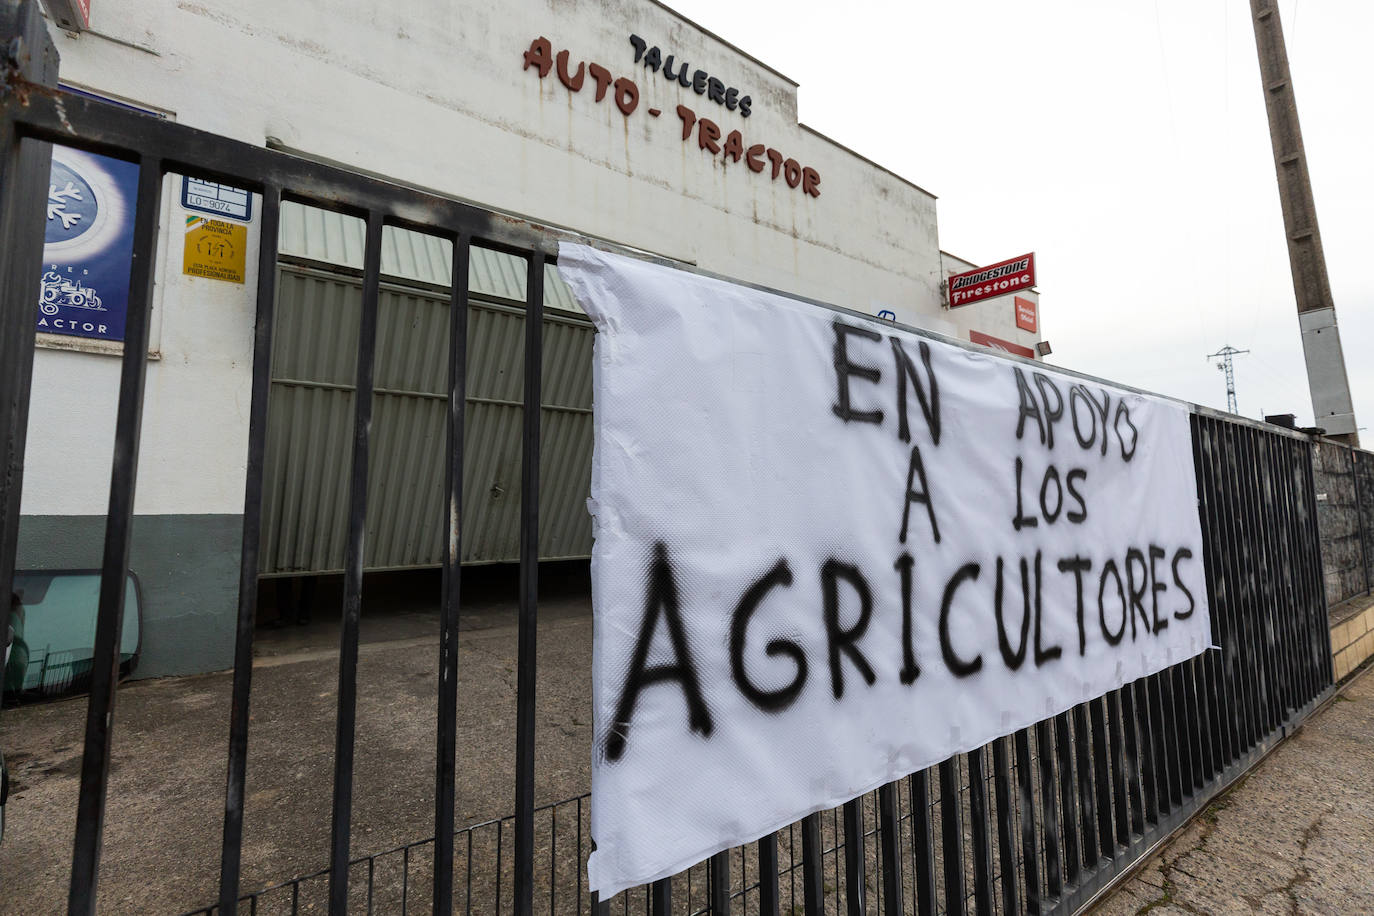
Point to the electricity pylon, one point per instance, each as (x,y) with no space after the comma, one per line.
(1226,353)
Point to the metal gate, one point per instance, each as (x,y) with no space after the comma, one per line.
(1040,821)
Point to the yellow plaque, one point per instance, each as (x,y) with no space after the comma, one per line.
(215,249)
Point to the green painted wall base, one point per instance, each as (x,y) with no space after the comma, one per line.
(187,565)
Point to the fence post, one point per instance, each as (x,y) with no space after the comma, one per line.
(26,54)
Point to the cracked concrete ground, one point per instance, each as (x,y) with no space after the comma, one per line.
(1295,836)
(166,796)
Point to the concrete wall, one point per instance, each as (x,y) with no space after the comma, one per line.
(1346,535)
(1352,637)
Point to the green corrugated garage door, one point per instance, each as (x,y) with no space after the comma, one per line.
(311,409)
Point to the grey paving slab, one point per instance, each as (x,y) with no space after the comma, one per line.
(1295,836)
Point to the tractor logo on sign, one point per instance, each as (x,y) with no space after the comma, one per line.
(87,245)
(59,291)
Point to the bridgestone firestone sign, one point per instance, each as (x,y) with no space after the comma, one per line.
(830,553)
(1000,279)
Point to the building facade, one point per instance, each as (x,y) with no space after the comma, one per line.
(617,119)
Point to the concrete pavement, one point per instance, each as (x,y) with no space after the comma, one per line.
(1294,836)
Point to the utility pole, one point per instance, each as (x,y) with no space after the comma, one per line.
(1226,353)
(1332,407)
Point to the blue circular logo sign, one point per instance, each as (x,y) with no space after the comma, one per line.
(72,206)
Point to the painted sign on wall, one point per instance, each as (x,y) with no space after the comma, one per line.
(995,280)
(731,146)
(87,245)
(830,553)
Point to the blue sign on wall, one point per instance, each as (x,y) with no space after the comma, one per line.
(88,245)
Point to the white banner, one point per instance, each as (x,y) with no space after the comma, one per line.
(830,553)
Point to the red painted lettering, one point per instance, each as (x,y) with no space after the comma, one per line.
(626,96)
(707,135)
(734,146)
(776,158)
(540,55)
(689,118)
(603,79)
(572,82)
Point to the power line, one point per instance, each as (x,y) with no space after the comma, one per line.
(1226,353)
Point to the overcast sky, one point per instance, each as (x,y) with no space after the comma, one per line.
(1126,143)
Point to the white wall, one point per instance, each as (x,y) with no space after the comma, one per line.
(195,412)
(433,93)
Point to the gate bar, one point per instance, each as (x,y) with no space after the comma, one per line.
(769,904)
(1025,788)
(922,850)
(889,831)
(1117,752)
(978,822)
(718,883)
(1131,744)
(1259,630)
(1044,749)
(1068,803)
(660,897)
(1313,679)
(1102,780)
(95,758)
(232,840)
(25,166)
(854,876)
(1227,741)
(1298,685)
(1219,732)
(529,590)
(1006,849)
(346,720)
(1270,571)
(1292,623)
(445,760)
(813,878)
(952,835)
(1242,595)
(1321,641)
(1087,811)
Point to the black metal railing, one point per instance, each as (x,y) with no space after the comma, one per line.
(1039,821)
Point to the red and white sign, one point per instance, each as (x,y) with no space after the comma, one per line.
(994,280)
(997,343)
(1025,314)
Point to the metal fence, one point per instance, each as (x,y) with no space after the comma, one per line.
(1039,821)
